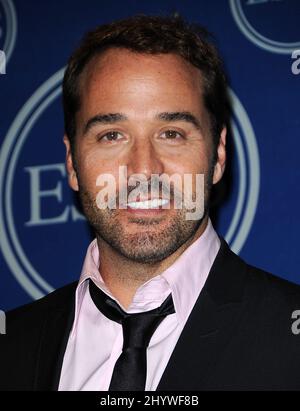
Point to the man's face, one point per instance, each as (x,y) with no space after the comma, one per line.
(141,93)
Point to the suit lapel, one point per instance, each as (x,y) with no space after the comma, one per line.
(54,339)
(210,325)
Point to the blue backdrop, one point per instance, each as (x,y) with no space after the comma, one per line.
(43,236)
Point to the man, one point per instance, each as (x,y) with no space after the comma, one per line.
(162,303)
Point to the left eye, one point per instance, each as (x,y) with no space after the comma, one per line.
(172,134)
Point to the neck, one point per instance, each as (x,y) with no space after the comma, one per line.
(125,276)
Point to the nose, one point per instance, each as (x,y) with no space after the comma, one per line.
(144,159)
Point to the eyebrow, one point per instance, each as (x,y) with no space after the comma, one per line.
(186,116)
(112,118)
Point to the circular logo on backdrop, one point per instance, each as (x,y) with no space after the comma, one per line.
(272,25)
(44,237)
(8,27)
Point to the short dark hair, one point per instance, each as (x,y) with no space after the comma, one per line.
(152,35)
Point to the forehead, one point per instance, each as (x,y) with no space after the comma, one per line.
(120,74)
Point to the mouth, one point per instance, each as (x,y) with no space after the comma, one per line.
(148,208)
(156,203)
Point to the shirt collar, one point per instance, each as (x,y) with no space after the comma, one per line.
(185,278)
(189,272)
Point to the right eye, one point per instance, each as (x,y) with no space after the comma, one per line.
(110,136)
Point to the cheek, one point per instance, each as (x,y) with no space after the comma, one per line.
(88,171)
(90,165)
(196,161)
(87,180)
(96,174)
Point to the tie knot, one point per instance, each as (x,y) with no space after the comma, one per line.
(138,328)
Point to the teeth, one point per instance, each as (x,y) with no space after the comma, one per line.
(148,203)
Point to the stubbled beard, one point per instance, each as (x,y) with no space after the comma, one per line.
(145,245)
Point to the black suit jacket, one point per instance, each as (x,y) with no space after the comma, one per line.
(238,336)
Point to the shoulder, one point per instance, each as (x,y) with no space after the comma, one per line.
(275,296)
(274,283)
(29,327)
(34,312)
(271,287)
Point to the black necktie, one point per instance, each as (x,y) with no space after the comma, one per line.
(131,367)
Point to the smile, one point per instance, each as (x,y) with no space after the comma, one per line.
(148,204)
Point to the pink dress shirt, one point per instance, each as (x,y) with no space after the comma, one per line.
(95,342)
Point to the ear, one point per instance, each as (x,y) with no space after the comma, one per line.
(221,157)
(72,176)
